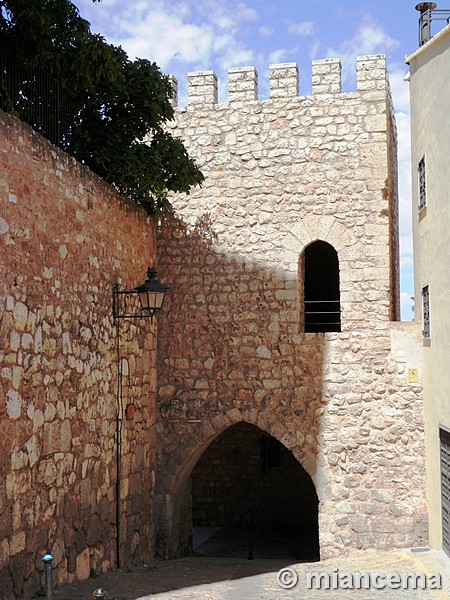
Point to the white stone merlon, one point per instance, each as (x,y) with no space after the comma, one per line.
(202,87)
(242,84)
(283,80)
(174,83)
(371,74)
(326,76)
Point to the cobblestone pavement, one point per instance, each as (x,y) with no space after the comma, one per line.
(205,578)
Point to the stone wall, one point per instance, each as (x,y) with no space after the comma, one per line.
(65,237)
(280,174)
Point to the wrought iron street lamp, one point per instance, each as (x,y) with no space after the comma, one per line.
(151,296)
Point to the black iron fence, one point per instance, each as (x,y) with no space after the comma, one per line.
(34,96)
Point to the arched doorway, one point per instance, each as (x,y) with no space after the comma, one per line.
(250,495)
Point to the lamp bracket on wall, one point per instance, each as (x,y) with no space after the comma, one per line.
(150,294)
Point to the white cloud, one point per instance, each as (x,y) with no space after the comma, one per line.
(406,261)
(235,56)
(399,87)
(369,38)
(224,15)
(303,29)
(314,49)
(242,12)
(165,37)
(405,202)
(278,56)
(171,33)
(406,305)
(265,31)
(404,181)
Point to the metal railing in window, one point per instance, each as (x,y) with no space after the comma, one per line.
(444,437)
(426,329)
(322,316)
(422,184)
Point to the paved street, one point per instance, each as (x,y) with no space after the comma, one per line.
(206,578)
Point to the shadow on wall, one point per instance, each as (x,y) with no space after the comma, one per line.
(230,350)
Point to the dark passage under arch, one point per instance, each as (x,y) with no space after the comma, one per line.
(322,310)
(248,486)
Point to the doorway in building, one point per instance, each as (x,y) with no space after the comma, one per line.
(444,437)
(252,499)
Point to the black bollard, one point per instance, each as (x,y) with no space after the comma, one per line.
(48,576)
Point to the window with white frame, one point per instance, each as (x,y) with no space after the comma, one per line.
(426,311)
(422,184)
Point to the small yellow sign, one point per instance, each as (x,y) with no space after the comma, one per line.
(413,376)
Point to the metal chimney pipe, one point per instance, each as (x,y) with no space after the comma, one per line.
(425,9)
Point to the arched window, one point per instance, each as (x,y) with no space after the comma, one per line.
(321,304)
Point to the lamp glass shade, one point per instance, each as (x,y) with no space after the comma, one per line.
(151,293)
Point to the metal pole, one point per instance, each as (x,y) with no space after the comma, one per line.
(48,576)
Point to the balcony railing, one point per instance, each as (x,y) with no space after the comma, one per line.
(427,17)
(322,315)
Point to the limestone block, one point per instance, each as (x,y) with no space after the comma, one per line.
(20,315)
(174,83)
(326,76)
(5,552)
(242,84)
(13,404)
(202,88)
(19,460)
(284,81)
(83,568)
(17,543)
(371,72)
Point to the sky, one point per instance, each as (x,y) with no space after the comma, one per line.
(187,35)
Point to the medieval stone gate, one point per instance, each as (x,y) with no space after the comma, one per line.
(299,192)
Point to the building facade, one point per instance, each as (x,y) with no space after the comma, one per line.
(430,144)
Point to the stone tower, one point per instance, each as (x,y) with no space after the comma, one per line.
(282,317)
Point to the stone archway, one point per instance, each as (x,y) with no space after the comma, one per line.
(250,495)
(174,497)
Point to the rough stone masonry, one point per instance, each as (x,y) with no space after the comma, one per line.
(282,173)
(67,374)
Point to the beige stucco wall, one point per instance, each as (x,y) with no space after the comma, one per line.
(430,137)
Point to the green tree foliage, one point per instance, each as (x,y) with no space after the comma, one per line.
(118,107)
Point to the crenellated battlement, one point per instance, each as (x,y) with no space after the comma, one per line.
(371,79)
